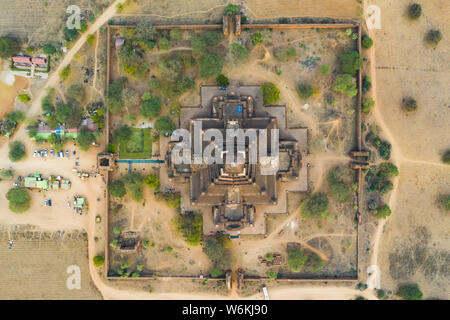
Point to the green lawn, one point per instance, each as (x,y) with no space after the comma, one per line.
(139,146)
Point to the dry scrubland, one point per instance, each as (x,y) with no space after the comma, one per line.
(414,247)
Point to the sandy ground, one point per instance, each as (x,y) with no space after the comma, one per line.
(10,87)
(418,141)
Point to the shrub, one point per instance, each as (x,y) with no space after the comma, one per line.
(76,92)
(168,249)
(325,69)
(433,37)
(215,272)
(175,34)
(130,119)
(445,202)
(314,263)
(111,147)
(350,62)
(222,81)
(175,108)
(345,84)
(305,90)
(189,226)
(46,104)
(383,212)
(315,206)
(257,38)
(415,11)
(269,257)
(296,259)
(272,275)
(284,54)
(238,52)
(133,184)
(90,38)
(164,44)
(210,65)
(410,292)
(6,174)
(271,93)
(146,243)
(99,261)
(15,116)
(215,247)
(387,170)
(16,151)
(114,100)
(372,204)
(117,230)
(117,188)
(19,199)
(446,157)
(366,42)
(114,243)
(152,181)
(381,294)
(65,72)
(367,105)
(409,104)
(23,97)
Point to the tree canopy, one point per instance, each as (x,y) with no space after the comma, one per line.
(216,248)
(222,81)
(315,206)
(16,151)
(165,125)
(238,52)
(19,199)
(210,65)
(8,47)
(271,93)
(116,188)
(296,259)
(414,11)
(198,44)
(338,182)
(114,96)
(133,184)
(85,138)
(305,90)
(151,108)
(345,84)
(383,212)
(76,92)
(152,181)
(350,62)
(190,227)
(410,292)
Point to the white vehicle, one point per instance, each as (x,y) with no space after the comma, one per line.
(35,153)
(68,204)
(266,293)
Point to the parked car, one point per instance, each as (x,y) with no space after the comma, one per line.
(67,153)
(68,204)
(49,202)
(61,154)
(52,152)
(35,153)
(74,152)
(16,184)
(45,202)
(57,155)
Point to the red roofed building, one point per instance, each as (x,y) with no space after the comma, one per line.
(21,59)
(41,61)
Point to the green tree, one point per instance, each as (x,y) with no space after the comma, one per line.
(76,92)
(409,104)
(367,105)
(272,275)
(257,38)
(445,202)
(345,84)
(116,188)
(90,38)
(6,174)
(410,292)
(215,272)
(296,259)
(222,81)
(446,157)
(152,181)
(433,37)
(70,34)
(19,199)
(305,90)
(130,98)
(163,44)
(366,84)
(114,96)
(315,206)
(175,108)
(62,112)
(314,263)
(325,69)
(185,84)
(65,72)
(210,65)
(117,230)
(15,116)
(175,34)
(46,104)
(16,151)
(85,138)
(8,47)
(383,212)
(232,9)
(49,49)
(164,125)
(238,52)
(215,247)
(271,93)
(366,42)
(339,189)
(387,170)
(151,108)
(212,38)
(171,67)
(350,62)
(98,261)
(415,11)
(133,184)
(24,97)
(189,226)
(122,133)
(198,44)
